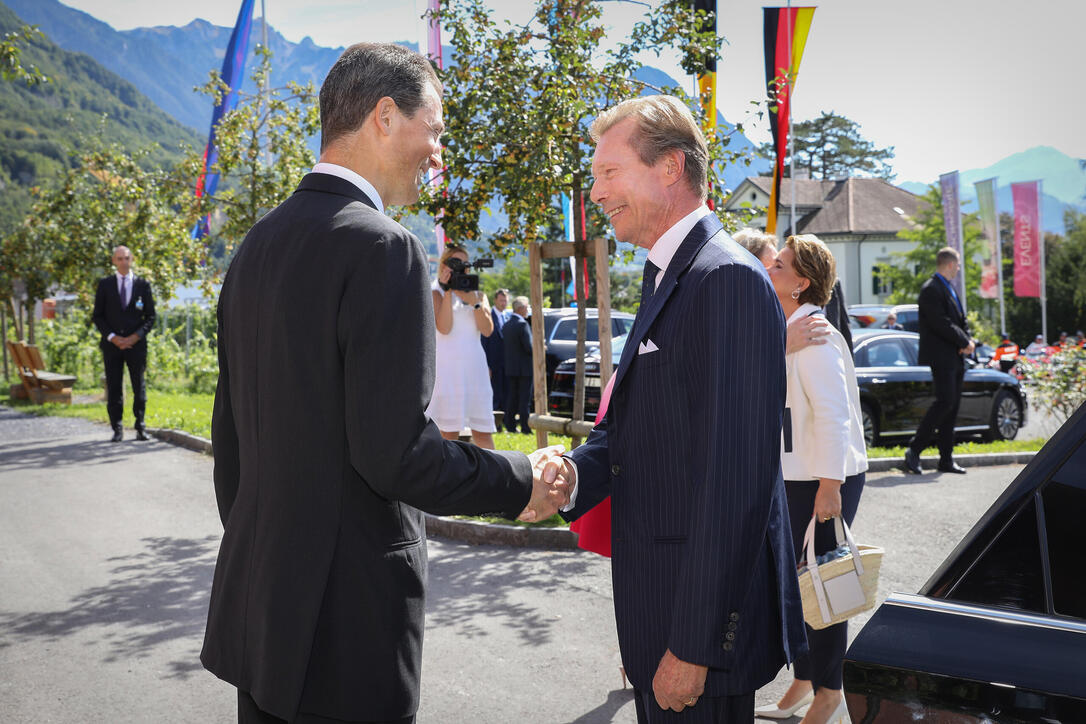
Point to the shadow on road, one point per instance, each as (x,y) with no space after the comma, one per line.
(472,588)
(47,453)
(155,596)
(903,478)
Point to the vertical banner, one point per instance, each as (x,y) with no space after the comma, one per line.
(785,33)
(433,49)
(1027,240)
(952,222)
(991,254)
(233,74)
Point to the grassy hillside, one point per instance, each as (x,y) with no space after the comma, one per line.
(40,124)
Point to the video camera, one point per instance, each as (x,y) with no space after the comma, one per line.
(461,281)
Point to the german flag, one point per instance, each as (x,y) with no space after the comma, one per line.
(785,37)
(707,79)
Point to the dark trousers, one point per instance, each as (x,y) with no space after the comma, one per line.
(821,665)
(518,397)
(947,381)
(115,360)
(497,386)
(250,713)
(708,710)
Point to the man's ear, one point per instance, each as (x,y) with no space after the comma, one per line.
(384,115)
(674,164)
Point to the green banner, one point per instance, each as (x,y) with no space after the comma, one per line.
(991,254)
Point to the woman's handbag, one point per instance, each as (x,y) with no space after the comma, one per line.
(841,587)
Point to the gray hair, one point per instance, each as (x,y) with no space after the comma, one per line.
(363,75)
(519,303)
(664,124)
(754,241)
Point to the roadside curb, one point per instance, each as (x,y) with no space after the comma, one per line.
(479,533)
(181,439)
(882,465)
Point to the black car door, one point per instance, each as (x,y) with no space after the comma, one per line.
(886,368)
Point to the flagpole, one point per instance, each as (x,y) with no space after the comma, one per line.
(791,127)
(999,259)
(1041,236)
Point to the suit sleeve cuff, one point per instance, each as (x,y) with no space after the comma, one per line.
(110,336)
(573,496)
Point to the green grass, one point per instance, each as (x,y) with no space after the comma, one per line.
(965,448)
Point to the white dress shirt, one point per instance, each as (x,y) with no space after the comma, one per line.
(347,174)
(822,411)
(661,255)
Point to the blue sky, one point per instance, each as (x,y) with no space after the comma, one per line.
(951,84)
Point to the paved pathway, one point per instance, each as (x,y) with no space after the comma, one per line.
(106,554)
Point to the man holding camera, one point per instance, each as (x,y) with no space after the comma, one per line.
(517,337)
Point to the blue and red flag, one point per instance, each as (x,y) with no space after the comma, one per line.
(233,74)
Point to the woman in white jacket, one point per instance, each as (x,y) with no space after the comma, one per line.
(823,459)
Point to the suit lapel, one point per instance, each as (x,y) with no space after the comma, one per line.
(706,228)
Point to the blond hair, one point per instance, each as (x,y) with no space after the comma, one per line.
(451,249)
(813,262)
(664,124)
(754,241)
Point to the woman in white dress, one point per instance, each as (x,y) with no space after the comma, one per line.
(462,395)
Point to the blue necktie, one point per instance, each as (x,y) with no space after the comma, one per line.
(124,292)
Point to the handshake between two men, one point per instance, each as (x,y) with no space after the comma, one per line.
(553,482)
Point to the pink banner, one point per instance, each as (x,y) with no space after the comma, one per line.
(1027,240)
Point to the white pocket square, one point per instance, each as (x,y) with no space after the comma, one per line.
(647,346)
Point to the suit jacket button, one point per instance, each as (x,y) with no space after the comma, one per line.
(615,470)
(728,646)
(733,616)
(732,625)
(730,636)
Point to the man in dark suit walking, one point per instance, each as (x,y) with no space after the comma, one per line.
(517,336)
(494,347)
(124,313)
(324,457)
(705,589)
(944,341)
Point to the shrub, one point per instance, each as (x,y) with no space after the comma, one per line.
(1059,382)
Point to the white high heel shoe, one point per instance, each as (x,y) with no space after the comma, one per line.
(771,711)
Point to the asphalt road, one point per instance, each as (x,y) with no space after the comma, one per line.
(106,555)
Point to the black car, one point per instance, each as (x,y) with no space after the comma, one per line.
(896,391)
(560,394)
(998,633)
(560,332)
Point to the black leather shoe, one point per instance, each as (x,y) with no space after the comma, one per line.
(912,462)
(951,467)
(118,435)
(141,435)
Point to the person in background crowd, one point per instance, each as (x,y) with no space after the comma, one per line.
(1062,341)
(494,348)
(124,312)
(1006,354)
(944,342)
(518,367)
(1081,338)
(824,461)
(462,395)
(1037,348)
(891,322)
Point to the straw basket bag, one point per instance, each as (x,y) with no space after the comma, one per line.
(839,589)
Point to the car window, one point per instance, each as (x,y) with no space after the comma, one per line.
(619,326)
(886,353)
(1064,499)
(566,330)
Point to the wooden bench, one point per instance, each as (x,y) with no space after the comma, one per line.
(38,384)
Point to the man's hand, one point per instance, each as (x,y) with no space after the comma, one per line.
(678,684)
(968,349)
(126,342)
(118,341)
(552,484)
(806,332)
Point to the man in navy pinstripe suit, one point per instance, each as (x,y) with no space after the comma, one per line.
(706,598)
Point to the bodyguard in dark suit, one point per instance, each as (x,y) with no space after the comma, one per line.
(944,339)
(324,458)
(124,313)
(705,589)
(494,347)
(517,338)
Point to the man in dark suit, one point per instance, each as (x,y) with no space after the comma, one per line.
(705,589)
(944,341)
(124,313)
(494,347)
(324,457)
(517,335)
